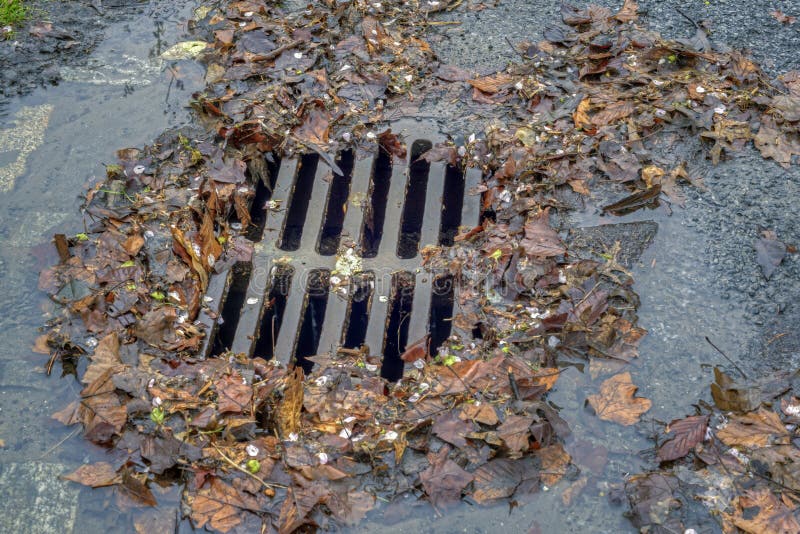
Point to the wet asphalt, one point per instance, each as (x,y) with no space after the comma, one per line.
(698,278)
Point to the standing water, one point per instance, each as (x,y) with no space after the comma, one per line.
(53,143)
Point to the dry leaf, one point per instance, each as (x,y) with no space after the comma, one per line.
(616,401)
(96,475)
(288,413)
(754,430)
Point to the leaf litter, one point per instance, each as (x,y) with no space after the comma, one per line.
(598,104)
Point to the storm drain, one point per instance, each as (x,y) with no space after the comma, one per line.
(337,260)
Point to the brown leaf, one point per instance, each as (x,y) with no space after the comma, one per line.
(297,505)
(100,410)
(616,401)
(233,395)
(492,84)
(782,17)
(480,412)
(288,412)
(220,506)
(628,12)
(185,250)
(452,429)
(754,430)
(515,432)
(612,113)
(555,461)
(540,239)
(496,479)
(134,485)
(581,117)
(315,128)
(133,244)
(759,511)
(686,433)
(444,479)
(106,356)
(350,507)
(392,144)
(416,350)
(96,475)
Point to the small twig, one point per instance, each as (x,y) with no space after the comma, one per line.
(726,357)
(60,443)
(246,472)
(514,48)
(687,17)
(280,50)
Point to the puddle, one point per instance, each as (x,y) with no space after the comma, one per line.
(52,144)
(126,95)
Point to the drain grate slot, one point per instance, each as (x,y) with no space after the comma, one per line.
(375,210)
(452,204)
(336,207)
(299,203)
(310,329)
(414,206)
(361,289)
(233,306)
(442,300)
(273,309)
(283,306)
(266,173)
(397,325)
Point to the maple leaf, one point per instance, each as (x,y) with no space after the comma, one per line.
(616,401)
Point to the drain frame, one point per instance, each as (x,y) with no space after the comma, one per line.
(269,257)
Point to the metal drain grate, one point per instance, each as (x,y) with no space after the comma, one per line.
(372,220)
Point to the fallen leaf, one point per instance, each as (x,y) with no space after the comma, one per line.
(96,475)
(444,479)
(515,432)
(555,461)
(769,252)
(754,430)
(686,433)
(540,239)
(783,18)
(616,401)
(492,84)
(759,511)
(220,506)
(233,394)
(288,413)
(495,480)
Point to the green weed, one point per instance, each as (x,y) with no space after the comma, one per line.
(12,12)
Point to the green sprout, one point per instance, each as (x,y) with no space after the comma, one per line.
(449,360)
(253,465)
(158,295)
(82,237)
(129,263)
(157,415)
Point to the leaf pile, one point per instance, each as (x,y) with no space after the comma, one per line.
(740,458)
(598,105)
